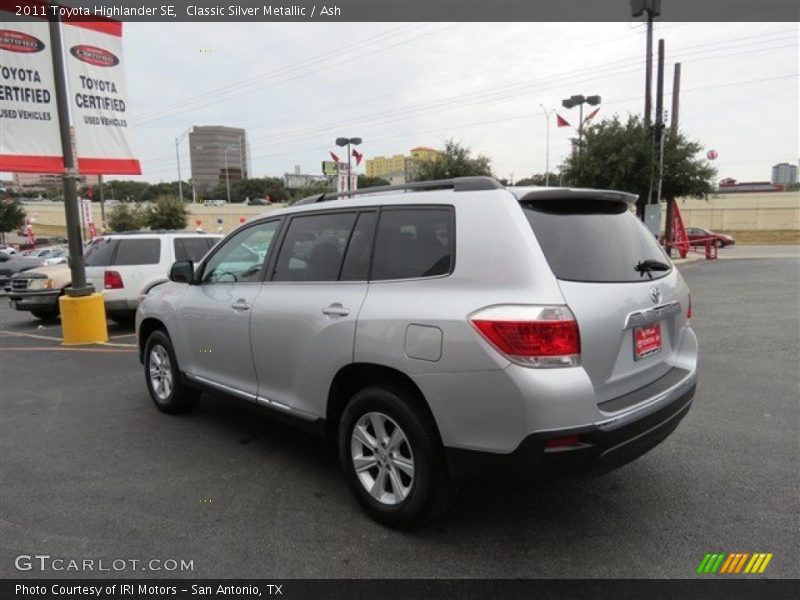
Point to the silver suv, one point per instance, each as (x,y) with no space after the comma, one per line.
(438,331)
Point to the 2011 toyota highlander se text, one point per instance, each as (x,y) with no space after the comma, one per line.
(441,331)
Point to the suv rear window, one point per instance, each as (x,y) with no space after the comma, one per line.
(138,252)
(595,241)
(193,248)
(100,252)
(413,242)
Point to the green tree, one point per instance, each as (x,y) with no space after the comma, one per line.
(258,187)
(619,155)
(167,212)
(126,216)
(12,215)
(537,179)
(455,161)
(368,182)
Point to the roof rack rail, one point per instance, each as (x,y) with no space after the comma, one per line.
(457,184)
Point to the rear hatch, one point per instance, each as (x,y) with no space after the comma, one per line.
(629,314)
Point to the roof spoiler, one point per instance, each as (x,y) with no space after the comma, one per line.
(457,184)
(527,195)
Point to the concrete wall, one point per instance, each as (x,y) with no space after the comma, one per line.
(776,210)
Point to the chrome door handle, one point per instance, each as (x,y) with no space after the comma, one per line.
(336,309)
(240,305)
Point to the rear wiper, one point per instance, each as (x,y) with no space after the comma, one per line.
(649,265)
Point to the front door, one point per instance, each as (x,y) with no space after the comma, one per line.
(215,315)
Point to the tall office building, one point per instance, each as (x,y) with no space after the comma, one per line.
(214,148)
(784,173)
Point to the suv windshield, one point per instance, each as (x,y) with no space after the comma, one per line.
(595,241)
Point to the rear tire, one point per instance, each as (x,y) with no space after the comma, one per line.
(164,379)
(45,315)
(123,318)
(392,457)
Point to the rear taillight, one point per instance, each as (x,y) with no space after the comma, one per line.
(689,310)
(532,336)
(112,280)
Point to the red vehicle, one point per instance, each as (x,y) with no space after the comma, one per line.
(699,235)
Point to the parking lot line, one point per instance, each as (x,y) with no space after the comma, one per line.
(6,333)
(63,349)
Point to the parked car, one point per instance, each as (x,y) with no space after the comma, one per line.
(8,250)
(214,203)
(126,266)
(466,330)
(696,234)
(37,290)
(19,263)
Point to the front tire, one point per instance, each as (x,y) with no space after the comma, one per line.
(393,458)
(164,379)
(45,315)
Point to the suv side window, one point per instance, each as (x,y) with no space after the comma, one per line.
(359,250)
(314,247)
(412,243)
(193,248)
(100,252)
(240,259)
(138,252)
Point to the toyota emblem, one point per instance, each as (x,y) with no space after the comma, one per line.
(655,294)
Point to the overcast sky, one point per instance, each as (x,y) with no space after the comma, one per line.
(296,86)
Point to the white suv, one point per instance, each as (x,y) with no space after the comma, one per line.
(125,266)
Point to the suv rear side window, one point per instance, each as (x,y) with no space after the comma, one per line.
(100,252)
(314,247)
(193,248)
(138,252)
(412,243)
(594,241)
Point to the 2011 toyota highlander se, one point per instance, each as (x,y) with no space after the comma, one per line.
(446,330)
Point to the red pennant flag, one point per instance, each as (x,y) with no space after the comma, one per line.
(358,156)
(334,157)
(590,115)
(561,121)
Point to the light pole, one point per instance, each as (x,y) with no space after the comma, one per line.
(178,141)
(227,178)
(547,146)
(343,141)
(580,100)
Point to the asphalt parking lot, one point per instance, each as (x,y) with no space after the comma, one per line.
(89,469)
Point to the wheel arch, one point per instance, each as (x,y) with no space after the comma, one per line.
(356,376)
(146,328)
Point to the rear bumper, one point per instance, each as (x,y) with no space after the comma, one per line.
(601,447)
(39,300)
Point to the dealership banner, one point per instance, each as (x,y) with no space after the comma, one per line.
(29,129)
(98,97)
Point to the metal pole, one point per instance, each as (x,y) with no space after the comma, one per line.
(227,178)
(676,94)
(76,261)
(648,69)
(546,147)
(349,176)
(178,159)
(102,201)
(659,119)
(580,130)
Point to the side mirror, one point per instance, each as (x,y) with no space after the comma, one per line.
(182,271)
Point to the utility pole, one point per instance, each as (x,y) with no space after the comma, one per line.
(76,260)
(659,128)
(653,9)
(669,234)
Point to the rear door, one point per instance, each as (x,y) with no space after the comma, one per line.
(304,320)
(629,319)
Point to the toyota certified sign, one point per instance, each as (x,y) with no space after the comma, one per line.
(94,56)
(16,41)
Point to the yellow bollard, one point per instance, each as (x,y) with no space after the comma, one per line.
(83,319)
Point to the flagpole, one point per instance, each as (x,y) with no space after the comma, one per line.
(547,146)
